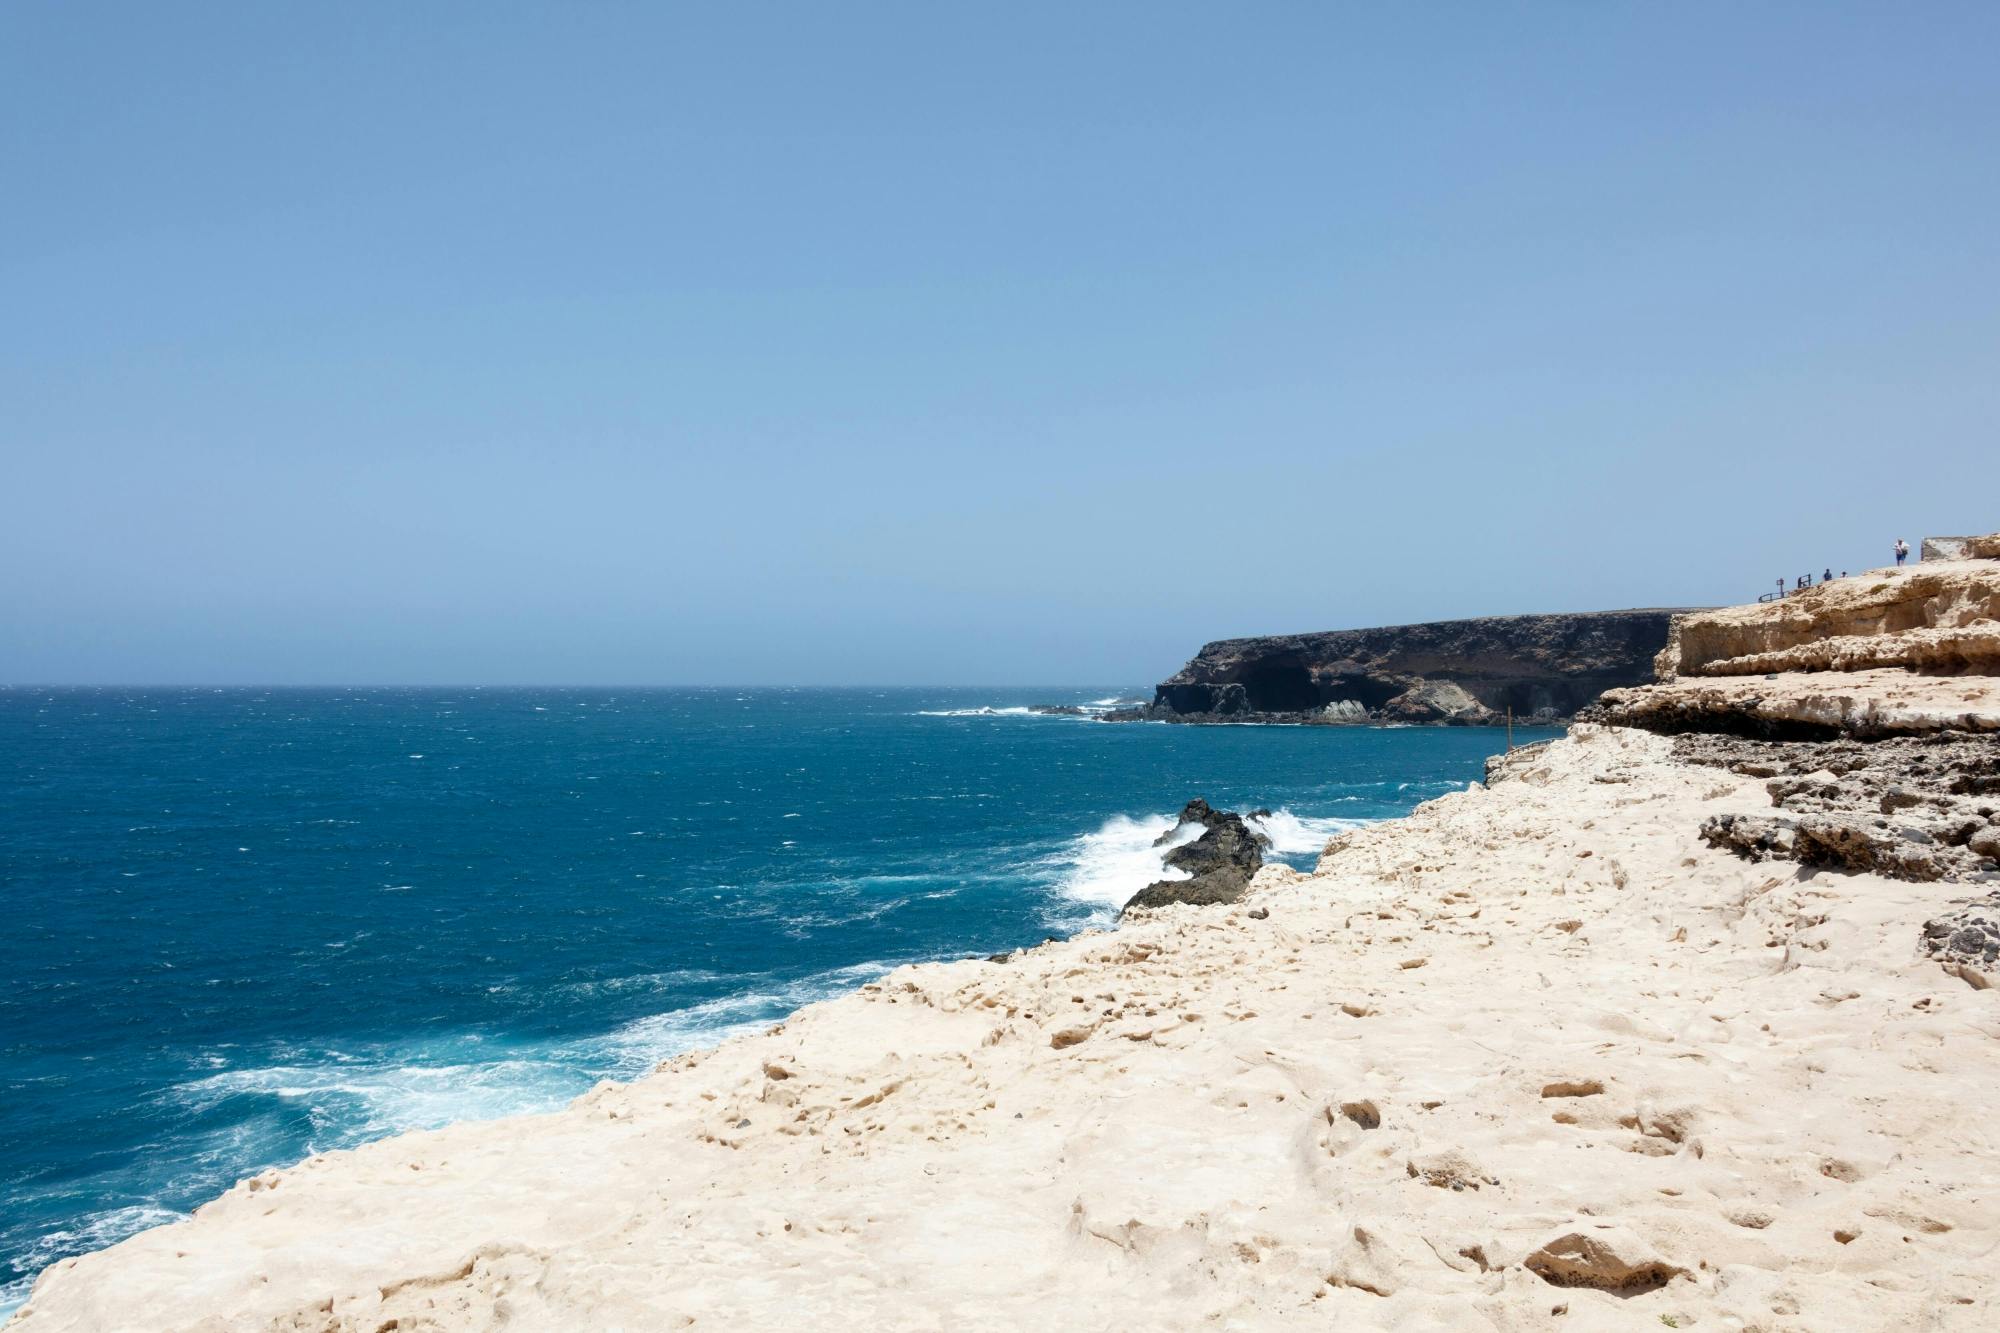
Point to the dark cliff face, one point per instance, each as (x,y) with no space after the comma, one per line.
(1453,670)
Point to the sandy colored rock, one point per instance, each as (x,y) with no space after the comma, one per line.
(1436,701)
(1735,1095)
(1939,617)
(1604,1258)
(1887,701)
(1960,548)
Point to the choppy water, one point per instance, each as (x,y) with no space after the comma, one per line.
(246,925)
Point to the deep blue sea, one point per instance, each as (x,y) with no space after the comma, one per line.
(241,926)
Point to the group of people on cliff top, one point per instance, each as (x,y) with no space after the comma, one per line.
(1805,581)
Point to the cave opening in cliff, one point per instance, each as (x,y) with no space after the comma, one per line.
(1281,687)
(1527,698)
(1369,691)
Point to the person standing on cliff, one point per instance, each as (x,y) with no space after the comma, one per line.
(1828,576)
(1902,550)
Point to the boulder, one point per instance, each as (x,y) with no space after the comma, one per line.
(1608,1258)
(1967,940)
(1436,701)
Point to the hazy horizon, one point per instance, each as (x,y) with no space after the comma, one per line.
(896,345)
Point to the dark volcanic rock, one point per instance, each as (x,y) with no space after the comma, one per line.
(1220,862)
(1454,671)
(1967,940)
(1229,845)
(1918,808)
(1693,714)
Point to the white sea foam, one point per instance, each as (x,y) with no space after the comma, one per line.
(1105,868)
(1100,871)
(672,980)
(1089,710)
(976,712)
(1297,835)
(92,1231)
(349,1096)
(636,1047)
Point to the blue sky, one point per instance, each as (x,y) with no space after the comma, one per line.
(963,344)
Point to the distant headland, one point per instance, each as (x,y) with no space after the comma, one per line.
(1450,672)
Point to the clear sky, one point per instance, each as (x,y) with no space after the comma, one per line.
(942,343)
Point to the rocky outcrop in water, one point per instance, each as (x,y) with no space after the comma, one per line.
(1461,672)
(1219,863)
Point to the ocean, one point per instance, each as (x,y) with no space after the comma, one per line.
(243,926)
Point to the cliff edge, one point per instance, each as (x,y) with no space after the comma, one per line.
(1887,652)
(1682,1029)
(1452,671)
(1870,706)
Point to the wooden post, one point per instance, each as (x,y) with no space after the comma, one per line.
(1510,728)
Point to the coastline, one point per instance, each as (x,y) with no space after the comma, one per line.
(394,1002)
(1538,1024)
(1685,1017)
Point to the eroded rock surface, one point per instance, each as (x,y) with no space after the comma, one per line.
(1919,808)
(1870,707)
(1886,652)
(1605,1258)
(1967,940)
(1933,617)
(1808,705)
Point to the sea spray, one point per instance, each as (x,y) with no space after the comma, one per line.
(1104,868)
(1294,837)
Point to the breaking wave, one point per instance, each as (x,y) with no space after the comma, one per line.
(1100,871)
(352,1095)
(92,1231)
(976,712)
(1300,836)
